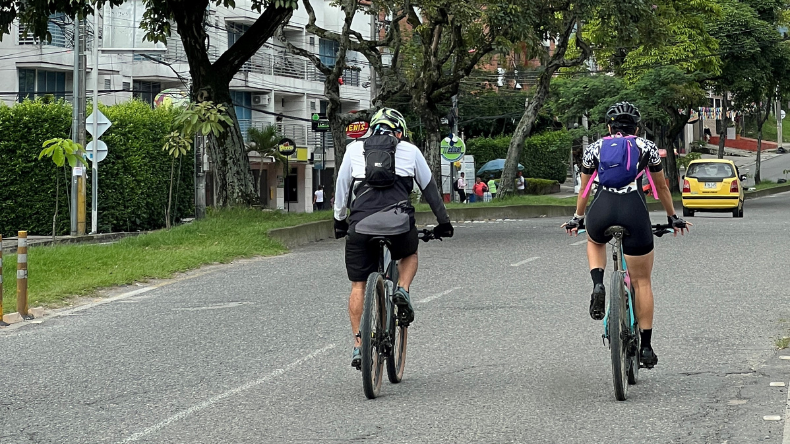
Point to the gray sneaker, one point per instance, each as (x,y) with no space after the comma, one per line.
(405,310)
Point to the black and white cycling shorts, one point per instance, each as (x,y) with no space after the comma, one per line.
(362,256)
(629,210)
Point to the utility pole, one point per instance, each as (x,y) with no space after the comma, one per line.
(95,132)
(78,134)
(455,134)
(779,121)
(81,188)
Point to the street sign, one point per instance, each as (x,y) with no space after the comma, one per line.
(104,124)
(101,151)
(286,147)
(357,129)
(783,114)
(452,149)
(320,122)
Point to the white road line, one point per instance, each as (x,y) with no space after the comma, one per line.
(786,432)
(213,400)
(437,296)
(525,261)
(580,242)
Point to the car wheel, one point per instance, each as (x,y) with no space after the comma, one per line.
(735,212)
(687,212)
(740,212)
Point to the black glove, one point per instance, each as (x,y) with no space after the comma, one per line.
(676,222)
(341,228)
(577,222)
(443,230)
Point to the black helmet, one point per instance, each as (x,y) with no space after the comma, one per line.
(623,112)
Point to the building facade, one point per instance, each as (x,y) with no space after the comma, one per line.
(273,88)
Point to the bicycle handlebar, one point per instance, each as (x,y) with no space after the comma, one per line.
(427,235)
(662,229)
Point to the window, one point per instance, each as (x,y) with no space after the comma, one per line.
(56,28)
(146,91)
(242,102)
(107,84)
(327,51)
(38,83)
(235,31)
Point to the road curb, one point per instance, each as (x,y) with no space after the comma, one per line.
(766,192)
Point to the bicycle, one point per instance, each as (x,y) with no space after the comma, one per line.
(619,324)
(383,330)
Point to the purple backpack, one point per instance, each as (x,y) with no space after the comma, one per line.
(618,162)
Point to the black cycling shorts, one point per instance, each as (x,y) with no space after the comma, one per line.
(628,210)
(362,256)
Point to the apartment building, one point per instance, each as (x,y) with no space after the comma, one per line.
(273,88)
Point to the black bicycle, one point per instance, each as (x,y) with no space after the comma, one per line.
(383,328)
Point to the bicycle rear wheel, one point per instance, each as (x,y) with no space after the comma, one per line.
(618,336)
(396,362)
(372,331)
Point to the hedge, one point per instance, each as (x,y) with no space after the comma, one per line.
(133,179)
(547,155)
(485,149)
(541,186)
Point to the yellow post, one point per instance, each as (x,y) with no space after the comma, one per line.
(21,274)
(81,204)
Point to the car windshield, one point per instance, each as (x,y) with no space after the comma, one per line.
(711,170)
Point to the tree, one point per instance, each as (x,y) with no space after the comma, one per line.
(755,64)
(61,151)
(351,40)
(210,81)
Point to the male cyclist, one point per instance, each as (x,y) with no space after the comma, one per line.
(624,206)
(379,196)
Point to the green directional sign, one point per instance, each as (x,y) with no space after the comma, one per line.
(319,122)
(453,150)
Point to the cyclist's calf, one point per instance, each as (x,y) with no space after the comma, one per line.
(640,269)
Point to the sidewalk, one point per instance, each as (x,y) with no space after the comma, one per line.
(741,157)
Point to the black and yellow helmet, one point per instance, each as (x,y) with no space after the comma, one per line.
(389,118)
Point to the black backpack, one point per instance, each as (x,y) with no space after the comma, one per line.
(379,155)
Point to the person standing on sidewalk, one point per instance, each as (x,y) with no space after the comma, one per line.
(492,188)
(318,198)
(461,187)
(479,189)
(520,184)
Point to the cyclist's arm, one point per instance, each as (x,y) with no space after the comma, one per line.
(581,200)
(343,187)
(422,174)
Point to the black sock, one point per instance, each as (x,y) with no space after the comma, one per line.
(597,275)
(646,334)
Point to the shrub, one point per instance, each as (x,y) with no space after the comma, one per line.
(541,186)
(485,149)
(133,178)
(546,155)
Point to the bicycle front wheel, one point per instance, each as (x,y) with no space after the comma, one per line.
(618,335)
(372,331)
(396,362)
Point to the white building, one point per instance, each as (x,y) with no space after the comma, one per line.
(274,87)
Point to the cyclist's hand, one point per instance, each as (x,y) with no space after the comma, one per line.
(341,228)
(678,224)
(443,230)
(574,225)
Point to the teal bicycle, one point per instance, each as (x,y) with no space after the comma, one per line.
(620,326)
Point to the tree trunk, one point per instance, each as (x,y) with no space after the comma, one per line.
(57,197)
(231,165)
(170,193)
(724,124)
(433,139)
(523,130)
(760,123)
(679,122)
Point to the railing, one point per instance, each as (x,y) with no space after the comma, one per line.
(350,76)
(295,131)
(287,65)
(314,140)
(258,63)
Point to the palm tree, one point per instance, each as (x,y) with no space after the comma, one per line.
(264,141)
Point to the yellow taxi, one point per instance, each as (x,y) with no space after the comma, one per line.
(712,185)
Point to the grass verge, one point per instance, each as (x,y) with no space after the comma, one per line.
(59,272)
(510,201)
(765,184)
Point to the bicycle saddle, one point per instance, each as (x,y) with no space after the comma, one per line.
(616,231)
(378,239)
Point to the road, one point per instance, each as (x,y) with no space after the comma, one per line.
(502,349)
(771,169)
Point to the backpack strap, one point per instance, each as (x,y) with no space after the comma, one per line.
(589,184)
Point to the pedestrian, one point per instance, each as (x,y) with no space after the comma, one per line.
(520,184)
(707,135)
(460,186)
(318,198)
(479,189)
(492,187)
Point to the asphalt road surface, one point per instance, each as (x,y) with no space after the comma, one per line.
(502,349)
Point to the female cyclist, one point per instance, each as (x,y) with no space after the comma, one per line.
(625,206)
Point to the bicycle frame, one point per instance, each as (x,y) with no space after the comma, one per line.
(389,270)
(620,266)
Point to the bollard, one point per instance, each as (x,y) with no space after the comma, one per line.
(21,274)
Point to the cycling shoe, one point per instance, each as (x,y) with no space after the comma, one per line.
(598,302)
(647,358)
(356,358)
(402,300)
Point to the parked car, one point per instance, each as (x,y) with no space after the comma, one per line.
(712,185)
